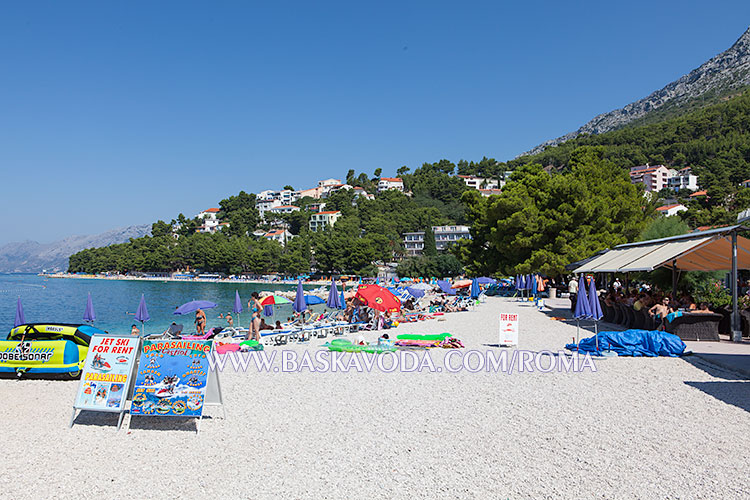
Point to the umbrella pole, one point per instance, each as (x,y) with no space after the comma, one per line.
(578,330)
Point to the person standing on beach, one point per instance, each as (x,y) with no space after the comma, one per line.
(255,308)
(200,322)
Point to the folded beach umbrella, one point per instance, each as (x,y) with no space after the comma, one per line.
(333,296)
(194,305)
(474,289)
(342,300)
(268,310)
(378,298)
(583,306)
(596,310)
(88,313)
(20,318)
(237,309)
(299,300)
(142,313)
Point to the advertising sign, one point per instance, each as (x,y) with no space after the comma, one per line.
(171,378)
(106,373)
(508,329)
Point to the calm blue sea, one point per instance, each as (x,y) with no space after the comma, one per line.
(60,300)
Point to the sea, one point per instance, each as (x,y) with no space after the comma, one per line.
(63,300)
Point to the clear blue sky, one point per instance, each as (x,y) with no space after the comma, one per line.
(119,113)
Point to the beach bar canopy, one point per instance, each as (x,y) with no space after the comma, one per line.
(719,249)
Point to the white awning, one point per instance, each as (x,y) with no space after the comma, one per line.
(706,251)
(662,255)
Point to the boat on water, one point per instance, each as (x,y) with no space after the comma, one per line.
(46,348)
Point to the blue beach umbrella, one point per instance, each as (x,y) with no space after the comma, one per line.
(596,310)
(333,296)
(445,286)
(415,292)
(194,305)
(20,318)
(88,313)
(474,289)
(268,310)
(299,304)
(583,307)
(312,300)
(486,281)
(342,300)
(237,309)
(142,313)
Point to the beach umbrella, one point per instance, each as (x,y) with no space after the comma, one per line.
(583,307)
(237,309)
(20,318)
(274,300)
(486,281)
(474,289)
(333,296)
(378,298)
(312,300)
(596,310)
(445,286)
(268,310)
(142,313)
(194,305)
(342,300)
(299,301)
(421,286)
(461,284)
(88,313)
(415,292)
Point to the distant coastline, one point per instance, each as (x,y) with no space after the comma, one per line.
(179,280)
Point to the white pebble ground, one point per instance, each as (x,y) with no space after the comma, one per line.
(636,428)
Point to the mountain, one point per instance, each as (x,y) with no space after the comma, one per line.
(719,76)
(31,256)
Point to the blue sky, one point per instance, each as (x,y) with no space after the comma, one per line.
(119,113)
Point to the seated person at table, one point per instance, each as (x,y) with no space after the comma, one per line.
(702,309)
(661,310)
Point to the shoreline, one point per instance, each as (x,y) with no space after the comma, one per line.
(180,280)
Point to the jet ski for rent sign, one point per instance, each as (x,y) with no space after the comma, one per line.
(107,373)
(508,329)
(171,378)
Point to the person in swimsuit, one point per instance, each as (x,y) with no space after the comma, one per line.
(230,321)
(200,322)
(255,308)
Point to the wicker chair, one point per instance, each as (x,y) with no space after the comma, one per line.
(649,323)
(630,312)
(695,326)
(640,320)
(623,319)
(745,322)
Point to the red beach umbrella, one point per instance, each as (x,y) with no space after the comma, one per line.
(378,298)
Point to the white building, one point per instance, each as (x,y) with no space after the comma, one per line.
(209,219)
(323,220)
(673,209)
(266,205)
(480,182)
(653,178)
(386,183)
(745,184)
(280,235)
(445,236)
(332,188)
(361,193)
(683,179)
(282,209)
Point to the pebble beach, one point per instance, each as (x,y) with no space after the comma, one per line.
(630,428)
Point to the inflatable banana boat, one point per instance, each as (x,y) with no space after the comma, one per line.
(46,348)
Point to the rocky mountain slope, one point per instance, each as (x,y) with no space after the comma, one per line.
(31,256)
(727,71)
